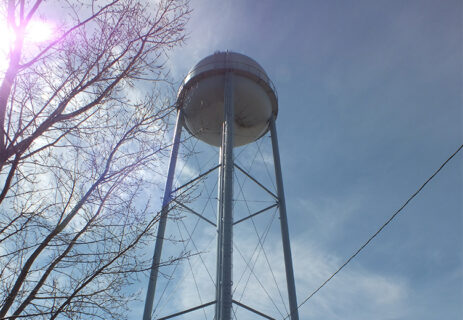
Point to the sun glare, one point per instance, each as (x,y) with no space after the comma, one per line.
(37,32)
(6,39)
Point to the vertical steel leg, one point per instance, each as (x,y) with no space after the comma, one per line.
(163,220)
(284,224)
(225,215)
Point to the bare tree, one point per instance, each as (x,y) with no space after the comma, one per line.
(81,137)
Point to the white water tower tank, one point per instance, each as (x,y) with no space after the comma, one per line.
(201,96)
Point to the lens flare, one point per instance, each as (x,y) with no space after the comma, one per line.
(6,40)
(37,32)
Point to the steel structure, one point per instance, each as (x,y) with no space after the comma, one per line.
(227,100)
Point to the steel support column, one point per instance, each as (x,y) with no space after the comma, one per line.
(163,219)
(284,224)
(225,216)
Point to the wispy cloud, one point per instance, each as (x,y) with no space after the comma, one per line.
(355,293)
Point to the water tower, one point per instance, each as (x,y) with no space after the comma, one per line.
(227,100)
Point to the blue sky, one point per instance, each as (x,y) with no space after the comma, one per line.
(370,105)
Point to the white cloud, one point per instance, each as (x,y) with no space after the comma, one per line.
(328,213)
(355,293)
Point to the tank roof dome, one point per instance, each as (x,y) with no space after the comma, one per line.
(201,96)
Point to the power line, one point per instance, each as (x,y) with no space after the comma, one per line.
(380,229)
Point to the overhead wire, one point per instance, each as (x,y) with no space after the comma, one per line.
(379,230)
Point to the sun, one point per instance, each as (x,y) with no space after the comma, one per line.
(37,32)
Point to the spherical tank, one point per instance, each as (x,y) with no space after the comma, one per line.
(201,96)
